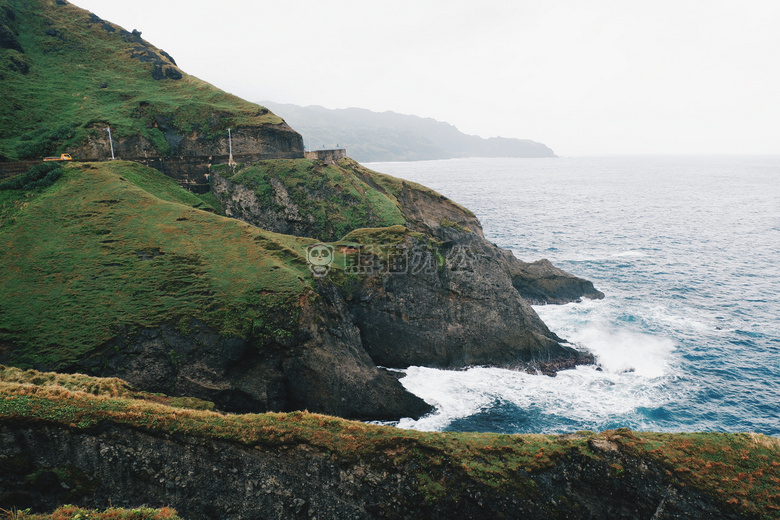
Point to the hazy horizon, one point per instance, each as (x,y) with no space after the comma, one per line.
(597,78)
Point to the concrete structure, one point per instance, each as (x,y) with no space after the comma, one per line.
(329,156)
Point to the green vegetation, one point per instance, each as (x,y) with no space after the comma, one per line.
(38,176)
(70,75)
(739,470)
(77,513)
(116,246)
(333,197)
(393,186)
(742,468)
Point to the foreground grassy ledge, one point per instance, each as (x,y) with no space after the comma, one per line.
(740,473)
(77,513)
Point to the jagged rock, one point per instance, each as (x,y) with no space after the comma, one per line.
(168,56)
(157,72)
(172,73)
(93,18)
(542,282)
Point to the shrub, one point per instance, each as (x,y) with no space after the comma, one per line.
(38,176)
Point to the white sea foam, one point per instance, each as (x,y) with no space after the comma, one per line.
(634,370)
(630,253)
(620,351)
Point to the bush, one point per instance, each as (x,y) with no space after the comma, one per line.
(38,176)
(29,149)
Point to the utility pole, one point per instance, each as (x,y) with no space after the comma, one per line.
(111,142)
(231,162)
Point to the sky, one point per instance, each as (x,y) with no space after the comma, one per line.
(585,77)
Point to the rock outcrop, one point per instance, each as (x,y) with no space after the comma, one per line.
(320,366)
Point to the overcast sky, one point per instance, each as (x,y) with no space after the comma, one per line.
(582,76)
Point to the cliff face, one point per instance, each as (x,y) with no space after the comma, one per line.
(47,465)
(316,364)
(98,442)
(249,143)
(178,300)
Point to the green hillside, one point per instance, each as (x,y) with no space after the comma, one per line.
(68,74)
(113,245)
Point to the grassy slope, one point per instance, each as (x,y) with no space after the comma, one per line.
(60,95)
(81,259)
(739,469)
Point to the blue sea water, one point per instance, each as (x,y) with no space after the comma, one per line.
(687,251)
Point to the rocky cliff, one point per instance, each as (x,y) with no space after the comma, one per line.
(431,291)
(97,443)
(204,479)
(178,300)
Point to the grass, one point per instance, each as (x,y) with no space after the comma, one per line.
(741,471)
(113,246)
(82,76)
(743,468)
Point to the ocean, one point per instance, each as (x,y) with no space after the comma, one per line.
(687,251)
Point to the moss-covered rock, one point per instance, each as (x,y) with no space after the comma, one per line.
(304,198)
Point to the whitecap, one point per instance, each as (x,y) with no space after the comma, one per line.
(629,253)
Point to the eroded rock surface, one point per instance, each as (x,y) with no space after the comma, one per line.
(203,478)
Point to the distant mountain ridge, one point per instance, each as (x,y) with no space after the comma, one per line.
(388,136)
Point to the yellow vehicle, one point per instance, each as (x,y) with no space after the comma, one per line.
(63,157)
